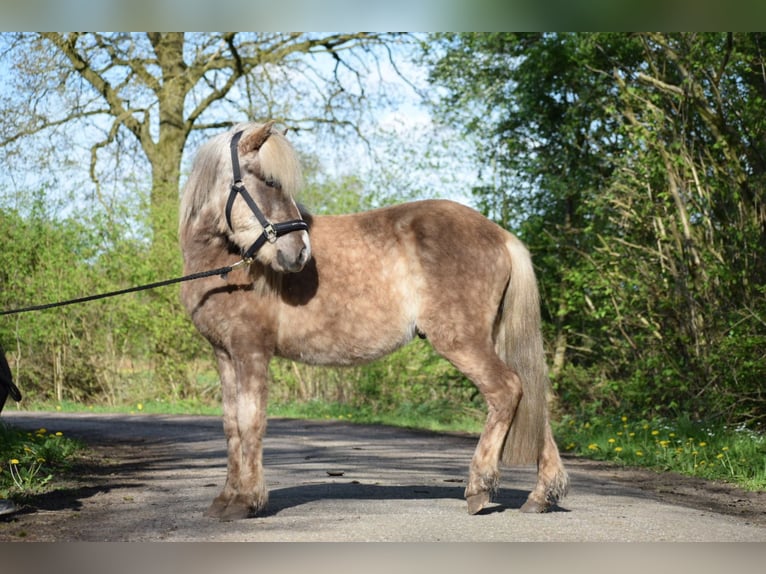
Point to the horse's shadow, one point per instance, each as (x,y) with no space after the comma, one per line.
(70,499)
(285,498)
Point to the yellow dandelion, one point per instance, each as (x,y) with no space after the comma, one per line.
(703,443)
(624,419)
(639,453)
(719,456)
(671,435)
(655,432)
(14,461)
(612,441)
(725,448)
(593,446)
(632,434)
(618,449)
(41,431)
(140,406)
(59,433)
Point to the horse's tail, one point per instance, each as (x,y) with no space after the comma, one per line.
(519,343)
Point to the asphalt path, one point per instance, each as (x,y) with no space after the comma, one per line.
(153,477)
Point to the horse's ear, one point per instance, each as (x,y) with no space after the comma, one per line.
(253,140)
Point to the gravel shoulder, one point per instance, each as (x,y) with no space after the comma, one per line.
(150,478)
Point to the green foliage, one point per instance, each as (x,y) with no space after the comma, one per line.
(29,461)
(632,165)
(101,351)
(710,451)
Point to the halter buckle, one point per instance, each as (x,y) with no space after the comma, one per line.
(270,232)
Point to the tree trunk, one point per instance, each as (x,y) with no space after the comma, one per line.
(166,167)
(165,156)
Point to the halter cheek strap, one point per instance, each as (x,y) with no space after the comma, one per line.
(271,231)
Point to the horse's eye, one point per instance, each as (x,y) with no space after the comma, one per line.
(271,182)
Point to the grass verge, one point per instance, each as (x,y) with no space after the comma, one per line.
(713,452)
(434,417)
(30,460)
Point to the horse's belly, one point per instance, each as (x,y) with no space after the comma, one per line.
(342,338)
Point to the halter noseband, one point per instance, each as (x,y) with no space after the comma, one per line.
(271,231)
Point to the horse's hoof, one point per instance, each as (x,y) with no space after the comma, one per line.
(533,507)
(236,511)
(217,507)
(477,501)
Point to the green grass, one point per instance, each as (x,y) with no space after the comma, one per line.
(30,460)
(430,416)
(158,407)
(713,452)
(435,417)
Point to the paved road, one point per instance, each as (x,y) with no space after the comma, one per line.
(331,481)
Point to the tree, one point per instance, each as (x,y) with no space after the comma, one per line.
(151,91)
(640,160)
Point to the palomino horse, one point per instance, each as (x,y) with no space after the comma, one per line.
(342,290)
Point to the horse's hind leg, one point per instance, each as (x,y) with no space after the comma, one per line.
(552,480)
(501,388)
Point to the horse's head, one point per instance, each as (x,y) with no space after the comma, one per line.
(262,215)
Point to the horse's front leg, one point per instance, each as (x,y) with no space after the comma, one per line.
(244,389)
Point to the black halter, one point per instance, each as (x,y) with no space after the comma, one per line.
(271,231)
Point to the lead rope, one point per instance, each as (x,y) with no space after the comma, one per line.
(222,271)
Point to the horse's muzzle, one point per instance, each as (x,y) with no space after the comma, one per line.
(295,259)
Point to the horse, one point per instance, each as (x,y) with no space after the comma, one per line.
(348,289)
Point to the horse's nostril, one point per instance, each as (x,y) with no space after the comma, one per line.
(293,264)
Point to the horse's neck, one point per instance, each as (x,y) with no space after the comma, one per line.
(204,250)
